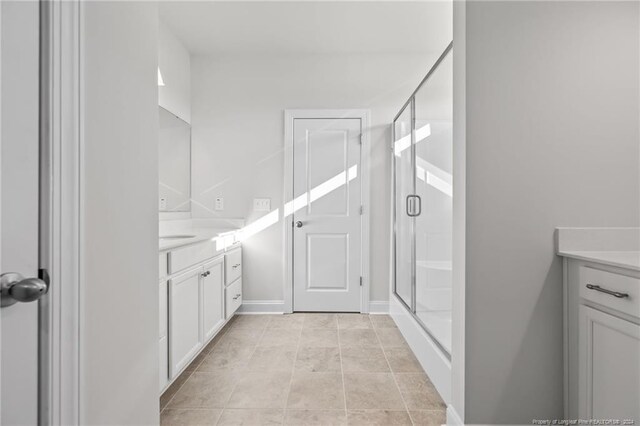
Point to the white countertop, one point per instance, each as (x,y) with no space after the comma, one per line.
(621,259)
(200,234)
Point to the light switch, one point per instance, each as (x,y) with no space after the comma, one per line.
(219,203)
(262,204)
(163,203)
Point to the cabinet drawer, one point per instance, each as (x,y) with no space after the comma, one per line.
(233,297)
(164,309)
(185,257)
(613,282)
(233,265)
(162,265)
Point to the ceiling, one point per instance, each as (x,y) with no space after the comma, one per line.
(309,27)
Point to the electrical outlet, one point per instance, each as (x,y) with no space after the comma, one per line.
(262,204)
(219,203)
(163,203)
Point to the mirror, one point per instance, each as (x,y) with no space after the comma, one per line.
(174,146)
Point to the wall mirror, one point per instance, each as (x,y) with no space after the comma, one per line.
(174,153)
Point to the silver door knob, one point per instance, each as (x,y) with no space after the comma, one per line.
(298,224)
(15,288)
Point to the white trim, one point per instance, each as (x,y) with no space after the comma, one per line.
(66,198)
(261,307)
(365,122)
(378,307)
(452,416)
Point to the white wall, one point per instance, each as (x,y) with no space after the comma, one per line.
(119,255)
(175,64)
(552,139)
(237,119)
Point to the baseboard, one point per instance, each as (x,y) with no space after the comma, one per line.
(261,307)
(378,307)
(452,416)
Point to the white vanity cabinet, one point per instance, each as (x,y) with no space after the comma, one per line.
(200,289)
(602,341)
(184,319)
(212,301)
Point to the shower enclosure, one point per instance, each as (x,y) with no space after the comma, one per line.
(423,191)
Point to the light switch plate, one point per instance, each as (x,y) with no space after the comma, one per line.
(262,204)
(219,203)
(163,203)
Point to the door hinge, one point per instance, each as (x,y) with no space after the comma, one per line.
(360,138)
(360,281)
(361,210)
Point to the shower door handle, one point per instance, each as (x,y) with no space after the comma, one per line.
(412,211)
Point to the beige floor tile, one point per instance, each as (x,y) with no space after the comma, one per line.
(319,360)
(369,360)
(382,321)
(278,358)
(261,390)
(428,417)
(239,337)
(289,321)
(257,322)
(170,392)
(226,358)
(232,416)
(189,417)
(372,391)
(319,338)
(390,337)
(322,391)
(320,321)
(418,392)
(315,418)
(378,417)
(359,338)
(402,360)
(205,390)
(354,321)
(280,337)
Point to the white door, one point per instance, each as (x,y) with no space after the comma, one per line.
(19,210)
(184,320)
(327,226)
(212,297)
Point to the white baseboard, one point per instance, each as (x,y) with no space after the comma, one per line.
(261,307)
(452,416)
(378,307)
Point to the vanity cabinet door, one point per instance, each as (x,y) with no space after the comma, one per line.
(212,297)
(184,320)
(608,358)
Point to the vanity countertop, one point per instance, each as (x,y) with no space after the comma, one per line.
(199,235)
(621,259)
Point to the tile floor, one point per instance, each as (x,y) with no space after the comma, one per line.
(304,369)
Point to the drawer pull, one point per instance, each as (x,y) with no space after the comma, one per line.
(604,290)
(235,266)
(236,297)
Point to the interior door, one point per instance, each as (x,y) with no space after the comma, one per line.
(327,217)
(20,214)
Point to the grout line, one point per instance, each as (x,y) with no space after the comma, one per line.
(344,386)
(293,369)
(406,407)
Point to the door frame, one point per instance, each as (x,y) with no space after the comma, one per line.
(61,77)
(364,115)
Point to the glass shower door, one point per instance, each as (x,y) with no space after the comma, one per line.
(403,163)
(433,184)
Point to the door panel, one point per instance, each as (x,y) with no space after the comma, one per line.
(19,207)
(184,320)
(327,234)
(213,297)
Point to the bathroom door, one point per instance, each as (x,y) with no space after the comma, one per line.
(19,212)
(327,228)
